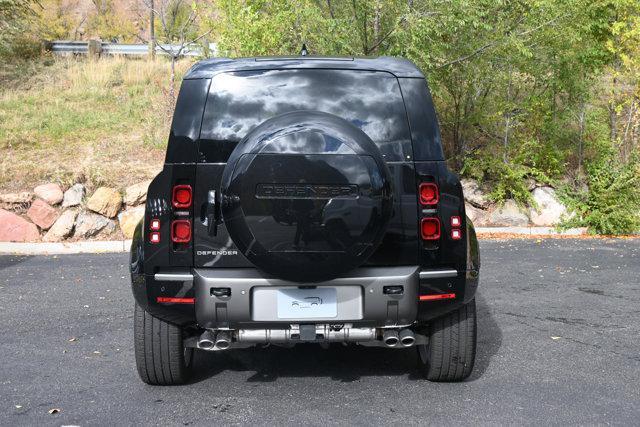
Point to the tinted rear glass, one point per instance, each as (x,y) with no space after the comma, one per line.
(240,101)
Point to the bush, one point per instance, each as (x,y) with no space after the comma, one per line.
(610,204)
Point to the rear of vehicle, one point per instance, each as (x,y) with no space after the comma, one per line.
(304,200)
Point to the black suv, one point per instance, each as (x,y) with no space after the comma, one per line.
(304,199)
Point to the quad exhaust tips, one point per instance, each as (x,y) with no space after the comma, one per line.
(222,340)
(214,342)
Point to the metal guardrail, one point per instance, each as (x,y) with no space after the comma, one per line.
(82,47)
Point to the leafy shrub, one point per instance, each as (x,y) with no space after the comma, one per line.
(508,180)
(610,204)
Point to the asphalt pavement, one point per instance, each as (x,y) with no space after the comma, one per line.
(559,343)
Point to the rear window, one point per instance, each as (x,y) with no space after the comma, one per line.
(240,101)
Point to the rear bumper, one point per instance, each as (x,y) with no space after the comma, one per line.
(245,298)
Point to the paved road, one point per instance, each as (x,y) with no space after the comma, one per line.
(558,343)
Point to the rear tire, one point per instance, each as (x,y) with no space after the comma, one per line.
(451,352)
(161,357)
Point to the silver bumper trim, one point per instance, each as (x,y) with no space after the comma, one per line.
(437,274)
(183,277)
(174,277)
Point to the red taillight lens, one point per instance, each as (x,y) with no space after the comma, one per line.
(456,221)
(182,196)
(456,234)
(181,231)
(430,228)
(429,194)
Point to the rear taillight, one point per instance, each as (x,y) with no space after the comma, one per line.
(429,194)
(430,228)
(182,196)
(181,231)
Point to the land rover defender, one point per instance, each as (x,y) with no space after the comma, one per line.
(304,200)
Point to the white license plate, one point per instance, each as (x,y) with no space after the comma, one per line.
(316,303)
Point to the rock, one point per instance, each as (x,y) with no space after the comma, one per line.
(42,214)
(136,194)
(550,210)
(50,193)
(473,194)
(531,184)
(14,228)
(106,201)
(89,225)
(62,227)
(129,219)
(477,216)
(22,198)
(508,215)
(73,196)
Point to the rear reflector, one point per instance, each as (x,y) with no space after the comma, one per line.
(154,237)
(429,194)
(430,228)
(181,231)
(155,224)
(436,297)
(172,300)
(456,221)
(456,234)
(182,196)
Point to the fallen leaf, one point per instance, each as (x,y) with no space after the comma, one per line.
(53,411)
(96,352)
(18,406)
(72,339)
(555,338)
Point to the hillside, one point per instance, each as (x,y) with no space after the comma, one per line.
(69,120)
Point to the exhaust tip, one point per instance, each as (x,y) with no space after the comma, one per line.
(206,340)
(205,344)
(407,338)
(223,341)
(222,345)
(390,338)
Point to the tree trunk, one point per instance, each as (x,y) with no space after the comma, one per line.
(172,92)
(152,32)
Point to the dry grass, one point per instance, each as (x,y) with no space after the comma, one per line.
(71,120)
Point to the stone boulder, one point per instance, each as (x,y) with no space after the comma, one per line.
(14,228)
(477,216)
(550,210)
(73,196)
(105,201)
(42,214)
(62,228)
(136,193)
(16,198)
(50,193)
(508,215)
(89,225)
(473,194)
(129,219)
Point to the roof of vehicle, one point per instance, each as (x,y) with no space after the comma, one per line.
(399,67)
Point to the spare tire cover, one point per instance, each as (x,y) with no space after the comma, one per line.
(306,196)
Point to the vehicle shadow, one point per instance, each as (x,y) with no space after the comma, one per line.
(340,363)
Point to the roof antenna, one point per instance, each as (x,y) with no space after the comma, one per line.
(304,51)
